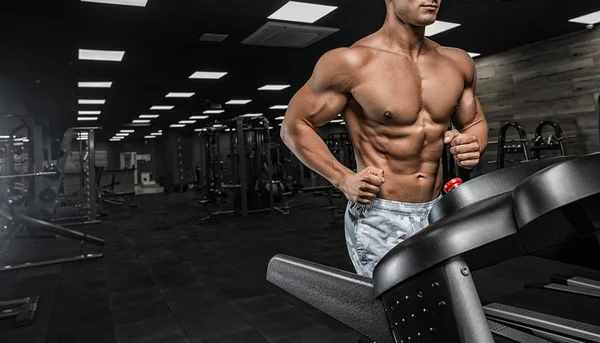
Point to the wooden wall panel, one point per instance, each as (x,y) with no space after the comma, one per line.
(557,80)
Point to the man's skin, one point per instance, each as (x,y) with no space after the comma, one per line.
(397,92)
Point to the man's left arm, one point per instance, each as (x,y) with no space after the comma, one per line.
(469,139)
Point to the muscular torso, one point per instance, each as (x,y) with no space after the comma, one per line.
(397,115)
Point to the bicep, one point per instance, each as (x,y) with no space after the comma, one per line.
(315,107)
(468,111)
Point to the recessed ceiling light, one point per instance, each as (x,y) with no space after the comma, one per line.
(161,108)
(4,137)
(217,125)
(213,111)
(271,127)
(122,134)
(156,134)
(114,140)
(149,116)
(177,125)
(279,124)
(588,19)
(438,27)
(101,55)
(94,84)
(91,102)
(187,121)
(200,130)
(251,115)
(89,113)
(474,54)
(238,102)
(128,131)
(343,123)
(87,118)
(337,121)
(149,137)
(180,95)
(302,12)
(199,117)
(273,87)
(279,107)
(207,75)
(136,3)
(141,121)
(279,118)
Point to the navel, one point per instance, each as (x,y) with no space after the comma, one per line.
(387,114)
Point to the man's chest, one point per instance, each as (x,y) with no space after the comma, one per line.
(398,91)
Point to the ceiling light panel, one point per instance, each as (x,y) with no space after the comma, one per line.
(302,12)
(438,27)
(91,102)
(238,102)
(279,107)
(89,113)
(207,75)
(135,3)
(94,84)
(87,118)
(149,116)
(588,19)
(101,55)
(180,95)
(213,111)
(161,108)
(273,87)
(199,117)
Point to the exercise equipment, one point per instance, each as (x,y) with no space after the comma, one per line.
(250,182)
(550,142)
(422,294)
(510,146)
(76,190)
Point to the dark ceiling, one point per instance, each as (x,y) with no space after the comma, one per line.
(39,66)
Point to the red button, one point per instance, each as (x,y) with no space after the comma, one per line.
(453,184)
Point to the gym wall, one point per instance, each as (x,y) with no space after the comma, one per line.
(557,80)
(154,166)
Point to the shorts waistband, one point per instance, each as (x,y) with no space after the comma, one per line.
(397,206)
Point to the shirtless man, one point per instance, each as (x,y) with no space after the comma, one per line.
(397,92)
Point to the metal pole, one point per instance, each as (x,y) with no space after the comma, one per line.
(241,150)
(18,176)
(92,174)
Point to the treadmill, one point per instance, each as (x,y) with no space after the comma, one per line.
(423,289)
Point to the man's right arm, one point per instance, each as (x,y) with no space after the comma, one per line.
(319,101)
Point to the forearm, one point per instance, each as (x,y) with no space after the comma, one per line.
(478,129)
(310,149)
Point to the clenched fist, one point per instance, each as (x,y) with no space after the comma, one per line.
(464,147)
(363,187)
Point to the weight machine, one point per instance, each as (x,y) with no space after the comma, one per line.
(250,169)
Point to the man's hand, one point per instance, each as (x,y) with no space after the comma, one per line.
(363,187)
(464,147)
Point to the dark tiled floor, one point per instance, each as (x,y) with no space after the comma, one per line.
(166,276)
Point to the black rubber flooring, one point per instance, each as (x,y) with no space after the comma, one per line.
(166,276)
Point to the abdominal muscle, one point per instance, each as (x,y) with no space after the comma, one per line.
(411,165)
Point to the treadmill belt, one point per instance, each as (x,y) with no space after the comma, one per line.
(576,307)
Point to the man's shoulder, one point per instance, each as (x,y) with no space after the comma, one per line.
(347,57)
(459,56)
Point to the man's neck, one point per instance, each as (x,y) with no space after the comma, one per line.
(402,36)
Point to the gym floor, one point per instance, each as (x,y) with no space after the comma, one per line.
(167,276)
